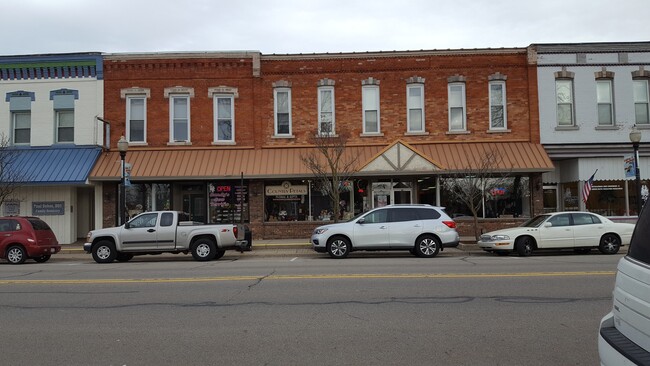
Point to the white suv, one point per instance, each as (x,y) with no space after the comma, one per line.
(424,230)
(624,337)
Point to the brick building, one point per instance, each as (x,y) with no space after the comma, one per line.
(201,124)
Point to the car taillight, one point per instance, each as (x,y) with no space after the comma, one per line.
(450,224)
(235,230)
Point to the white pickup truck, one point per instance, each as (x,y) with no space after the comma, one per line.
(158,232)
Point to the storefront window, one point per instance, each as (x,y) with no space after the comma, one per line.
(570,196)
(509,198)
(147,197)
(228,202)
(289,200)
(607,198)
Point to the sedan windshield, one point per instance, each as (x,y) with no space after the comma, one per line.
(535,221)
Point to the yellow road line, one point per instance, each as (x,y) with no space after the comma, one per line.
(308,277)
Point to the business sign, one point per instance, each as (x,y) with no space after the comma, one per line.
(12,208)
(286,189)
(50,208)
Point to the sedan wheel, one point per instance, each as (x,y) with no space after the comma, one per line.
(524,246)
(427,247)
(16,255)
(338,247)
(609,244)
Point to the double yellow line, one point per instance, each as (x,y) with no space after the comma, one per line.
(306,277)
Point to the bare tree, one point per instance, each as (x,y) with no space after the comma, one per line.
(11,177)
(470,185)
(330,165)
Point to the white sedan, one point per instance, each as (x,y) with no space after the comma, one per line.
(581,231)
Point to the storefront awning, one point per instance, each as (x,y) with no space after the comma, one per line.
(50,165)
(398,158)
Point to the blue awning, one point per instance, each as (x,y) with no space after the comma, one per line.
(51,165)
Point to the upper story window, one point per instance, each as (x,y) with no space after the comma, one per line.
(605,102)
(20,105)
(370,103)
(456,104)
(564,98)
(326,116)
(415,105)
(63,101)
(282,108)
(642,115)
(224,113)
(497,95)
(179,113)
(136,114)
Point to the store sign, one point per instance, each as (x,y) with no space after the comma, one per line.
(48,208)
(12,208)
(286,189)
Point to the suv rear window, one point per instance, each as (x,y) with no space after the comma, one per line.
(428,213)
(403,214)
(38,224)
(640,244)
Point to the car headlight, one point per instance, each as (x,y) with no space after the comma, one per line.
(500,237)
(320,231)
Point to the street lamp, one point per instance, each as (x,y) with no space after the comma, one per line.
(122,146)
(635,138)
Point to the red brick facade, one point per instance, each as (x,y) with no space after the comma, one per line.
(254,76)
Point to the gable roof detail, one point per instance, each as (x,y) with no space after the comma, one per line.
(400,157)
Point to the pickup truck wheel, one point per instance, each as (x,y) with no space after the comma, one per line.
(16,254)
(104,252)
(43,258)
(204,250)
(219,254)
(124,257)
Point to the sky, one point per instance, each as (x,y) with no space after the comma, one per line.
(312,26)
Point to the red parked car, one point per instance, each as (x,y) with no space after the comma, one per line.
(23,237)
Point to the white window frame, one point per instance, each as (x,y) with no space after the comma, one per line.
(172,137)
(503,104)
(129,100)
(276,91)
(642,103)
(14,114)
(57,117)
(217,118)
(571,103)
(321,91)
(411,107)
(367,99)
(462,106)
(609,102)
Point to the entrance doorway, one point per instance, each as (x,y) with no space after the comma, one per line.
(195,202)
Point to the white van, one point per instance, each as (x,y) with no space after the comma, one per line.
(624,336)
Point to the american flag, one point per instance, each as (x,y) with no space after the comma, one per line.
(587,187)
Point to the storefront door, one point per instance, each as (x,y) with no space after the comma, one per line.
(402,195)
(194,204)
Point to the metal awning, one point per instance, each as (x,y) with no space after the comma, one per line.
(283,162)
(51,165)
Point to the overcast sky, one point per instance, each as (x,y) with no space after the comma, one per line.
(312,26)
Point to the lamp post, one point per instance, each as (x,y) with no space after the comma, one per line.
(635,138)
(122,147)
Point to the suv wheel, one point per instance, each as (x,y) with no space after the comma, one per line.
(16,254)
(427,247)
(338,247)
(609,244)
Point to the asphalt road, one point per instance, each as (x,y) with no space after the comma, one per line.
(374,309)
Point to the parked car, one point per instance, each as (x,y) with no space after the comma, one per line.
(23,237)
(424,230)
(624,336)
(576,230)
